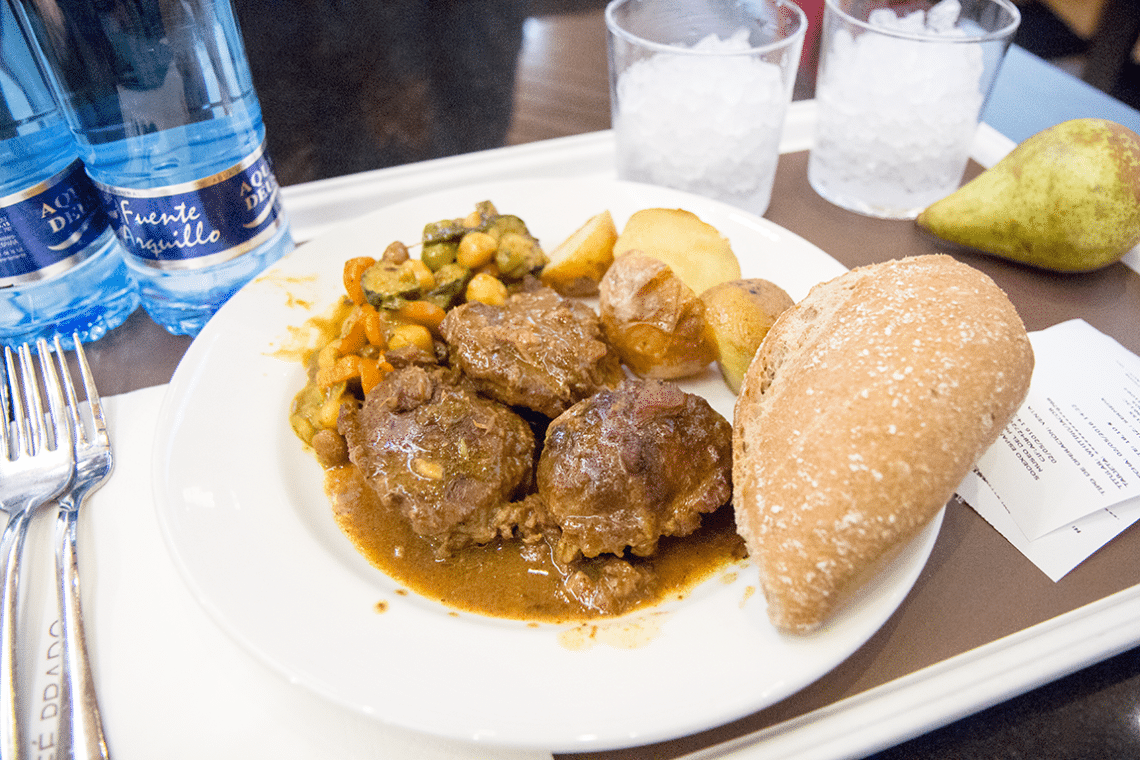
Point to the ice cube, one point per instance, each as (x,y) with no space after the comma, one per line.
(883,18)
(943,17)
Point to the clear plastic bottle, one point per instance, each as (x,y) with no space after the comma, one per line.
(161,100)
(61,268)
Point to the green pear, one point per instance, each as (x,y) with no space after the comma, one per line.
(1066,199)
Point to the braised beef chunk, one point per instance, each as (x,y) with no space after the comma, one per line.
(405,356)
(528,521)
(450,460)
(539,350)
(627,466)
(607,585)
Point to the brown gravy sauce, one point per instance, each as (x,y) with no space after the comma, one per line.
(502,579)
(508,579)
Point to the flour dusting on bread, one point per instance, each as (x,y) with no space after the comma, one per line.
(864,408)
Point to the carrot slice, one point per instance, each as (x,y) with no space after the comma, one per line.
(345,368)
(356,338)
(423,313)
(370,374)
(374,328)
(353,269)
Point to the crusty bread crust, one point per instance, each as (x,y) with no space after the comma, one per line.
(862,411)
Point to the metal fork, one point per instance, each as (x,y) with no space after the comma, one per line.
(36,464)
(81,732)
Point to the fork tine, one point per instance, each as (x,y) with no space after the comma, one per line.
(18,446)
(77,426)
(6,405)
(33,405)
(61,428)
(33,408)
(91,391)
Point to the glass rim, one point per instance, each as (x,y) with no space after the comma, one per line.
(676,49)
(1005,32)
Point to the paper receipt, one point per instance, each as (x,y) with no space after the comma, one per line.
(1063,478)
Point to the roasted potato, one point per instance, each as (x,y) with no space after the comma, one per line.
(653,319)
(578,264)
(694,250)
(740,312)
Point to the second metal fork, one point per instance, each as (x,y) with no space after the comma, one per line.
(82,728)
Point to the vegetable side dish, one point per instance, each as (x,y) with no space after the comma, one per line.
(484,446)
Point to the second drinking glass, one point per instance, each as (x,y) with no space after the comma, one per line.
(899,97)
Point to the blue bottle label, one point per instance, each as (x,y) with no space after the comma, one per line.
(201,223)
(46,229)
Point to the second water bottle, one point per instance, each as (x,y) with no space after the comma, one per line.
(161,100)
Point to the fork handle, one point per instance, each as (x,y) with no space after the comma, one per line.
(11,547)
(82,727)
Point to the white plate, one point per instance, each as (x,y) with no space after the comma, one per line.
(243,510)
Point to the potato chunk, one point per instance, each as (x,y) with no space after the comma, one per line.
(578,264)
(740,314)
(693,249)
(653,319)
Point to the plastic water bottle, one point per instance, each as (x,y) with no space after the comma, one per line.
(161,100)
(61,269)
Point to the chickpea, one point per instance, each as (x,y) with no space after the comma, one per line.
(476,249)
(396,252)
(425,278)
(411,335)
(487,289)
(328,355)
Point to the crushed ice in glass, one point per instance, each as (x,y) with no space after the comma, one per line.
(709,124)
(897,112)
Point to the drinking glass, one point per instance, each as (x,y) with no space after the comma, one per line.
(699,91)
(899,94)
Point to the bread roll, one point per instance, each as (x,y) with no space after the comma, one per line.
(862,411)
